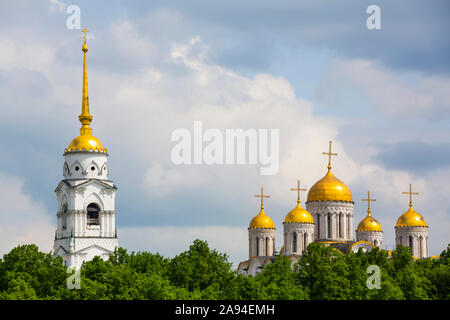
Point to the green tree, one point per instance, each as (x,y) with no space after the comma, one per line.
(278,281)
(323,270)
(199,268)
(41,272)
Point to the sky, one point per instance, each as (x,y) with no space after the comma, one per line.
(311,69)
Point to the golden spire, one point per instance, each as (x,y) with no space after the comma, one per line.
(85,118)
(329,154)
(298,189)
(262,196)
(368,202)
(411,193)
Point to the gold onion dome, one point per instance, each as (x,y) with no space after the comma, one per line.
(330,188)
(85,141)
(299,215)
(369,223)
(411,219)
(262,221)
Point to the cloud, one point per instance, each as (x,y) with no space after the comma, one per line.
(392,94)
(24,220)
(168,87)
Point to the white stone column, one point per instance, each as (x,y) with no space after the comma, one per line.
(299,242)
(333,225)
(414,246)
(350,227)
(345,225)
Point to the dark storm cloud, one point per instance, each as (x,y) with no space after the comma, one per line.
(417,157)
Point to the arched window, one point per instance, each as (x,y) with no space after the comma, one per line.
(294,242)
(93,215)
(410,242)
(64,217)
(267,247)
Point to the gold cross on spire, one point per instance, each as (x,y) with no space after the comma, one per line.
(298,189)
(411,193)
(329,154)
(368,202)
(262,196)
(84,31)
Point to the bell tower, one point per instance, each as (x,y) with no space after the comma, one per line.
(86,213)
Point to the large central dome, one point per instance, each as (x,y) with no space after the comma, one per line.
(330,188)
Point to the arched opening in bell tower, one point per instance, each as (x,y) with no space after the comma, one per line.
(93,215)
(64,217)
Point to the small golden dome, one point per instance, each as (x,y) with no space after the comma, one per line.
(299,215)
(86,143)
(369,224)
(330,188)
(411,219)
(262,221)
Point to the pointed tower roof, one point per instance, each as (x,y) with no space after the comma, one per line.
(85,141)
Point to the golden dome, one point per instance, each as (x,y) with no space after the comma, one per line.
(369,224)
(330,188)
(262,221)
(86,143)
(411,219)
(298,215)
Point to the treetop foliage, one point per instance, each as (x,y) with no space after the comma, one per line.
(203,273)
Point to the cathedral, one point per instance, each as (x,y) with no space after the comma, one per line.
(86,211)
(86,217)
(328,218)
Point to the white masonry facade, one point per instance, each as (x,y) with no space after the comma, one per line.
(86,213)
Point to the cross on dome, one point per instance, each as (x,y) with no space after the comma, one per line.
(262,196)
(411,193)
(329,154)
(368,202)
(298,189)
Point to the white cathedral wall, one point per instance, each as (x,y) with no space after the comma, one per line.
(300,229)
(419,239)
(85,161)
(261,235)
(321,209)
(374,237)
(77,201)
